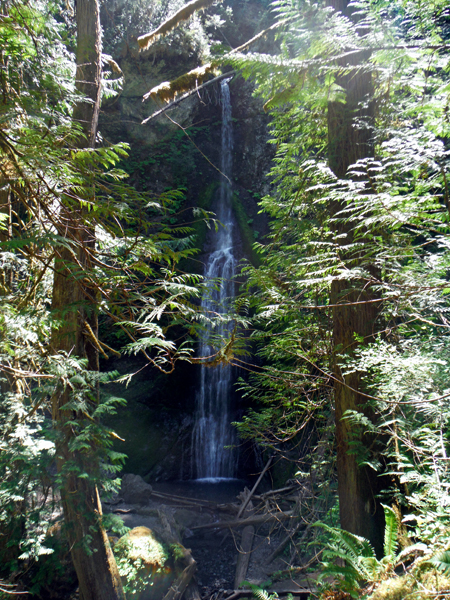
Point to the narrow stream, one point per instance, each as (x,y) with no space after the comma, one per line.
(212,429)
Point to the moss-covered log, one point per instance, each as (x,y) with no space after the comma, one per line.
(168,90)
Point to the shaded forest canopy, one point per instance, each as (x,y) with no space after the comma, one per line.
(340,330)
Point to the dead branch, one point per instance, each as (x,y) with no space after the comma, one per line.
(284,542)
(249,497)
(194,503)
(185,96)
(179,586)
(275,492)
(257,520)
(185,565)
(192,592)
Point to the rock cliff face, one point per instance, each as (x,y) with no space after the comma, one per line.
(182,150)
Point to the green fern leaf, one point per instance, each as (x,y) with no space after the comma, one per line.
(390,532)
(261,594)
(441,562)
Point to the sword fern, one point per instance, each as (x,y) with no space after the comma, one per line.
(351,560)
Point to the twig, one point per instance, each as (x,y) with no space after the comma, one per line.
(284,542)
(275,492)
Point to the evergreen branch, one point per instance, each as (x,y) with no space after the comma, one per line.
(27,298)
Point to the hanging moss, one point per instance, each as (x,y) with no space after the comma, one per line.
(183,14)
(168,90)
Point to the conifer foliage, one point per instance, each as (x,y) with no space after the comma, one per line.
(352,291)
(77,244)
(350,302)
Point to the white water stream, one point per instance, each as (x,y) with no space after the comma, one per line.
(212,429)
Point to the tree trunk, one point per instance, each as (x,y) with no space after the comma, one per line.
(6,381)
(74,303)
(350,139)
(89,68)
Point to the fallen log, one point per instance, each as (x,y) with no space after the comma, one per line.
(193,501)
(248,533)
(192,592)
(293,587)
(298,591)
(256,520)
(180,584)
(185,565)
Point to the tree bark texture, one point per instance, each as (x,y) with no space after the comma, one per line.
(6,381)
(89,68)
(75,304)
(349,140)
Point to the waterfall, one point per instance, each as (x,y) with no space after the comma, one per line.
(212,429)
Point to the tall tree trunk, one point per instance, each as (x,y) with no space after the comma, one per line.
(75,304)
(350,139)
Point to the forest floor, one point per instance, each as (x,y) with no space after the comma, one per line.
(201,518)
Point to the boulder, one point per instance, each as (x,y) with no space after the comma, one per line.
(134,490)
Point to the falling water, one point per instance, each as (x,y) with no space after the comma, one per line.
(212,430)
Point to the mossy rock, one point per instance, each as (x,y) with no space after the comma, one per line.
(144,565)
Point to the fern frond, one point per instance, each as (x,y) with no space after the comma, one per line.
(441,562)
(371,567)
(261,594)
(390,532)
